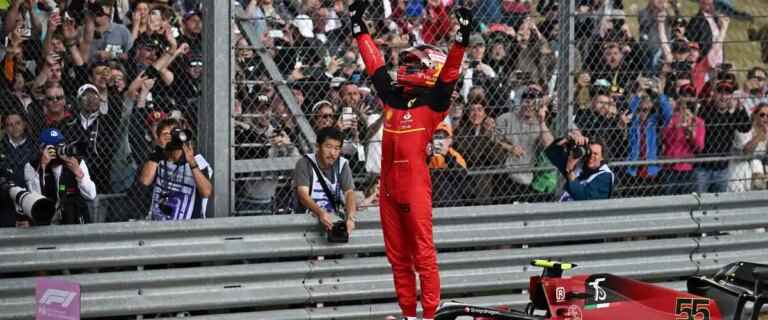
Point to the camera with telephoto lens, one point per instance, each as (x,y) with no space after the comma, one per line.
(30,206)
(178,138)
(338,233)
(577,151)
(68,150)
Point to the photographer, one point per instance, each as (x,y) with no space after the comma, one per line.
(323,197)
(180,178)
(59,174)
(581,161)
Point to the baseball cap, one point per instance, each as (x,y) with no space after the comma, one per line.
(305,25)
(476,39)
(51,136)
(192,13)
(86,87)
(195,61)
(445,127)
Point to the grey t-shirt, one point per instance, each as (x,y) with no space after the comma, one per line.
(516,131)
(302,176)
(117,39)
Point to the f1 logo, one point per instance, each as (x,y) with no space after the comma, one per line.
(600,294)
(62,297)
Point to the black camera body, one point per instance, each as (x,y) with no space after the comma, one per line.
(178,138)
(338,233)
(68,150)
(577,151)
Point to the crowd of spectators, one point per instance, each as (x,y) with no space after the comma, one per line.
(102,74)
(664,93)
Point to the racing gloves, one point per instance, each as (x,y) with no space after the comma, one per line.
(356,11)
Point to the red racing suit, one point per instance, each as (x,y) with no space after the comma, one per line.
(406,188)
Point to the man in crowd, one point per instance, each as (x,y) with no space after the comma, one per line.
(17,146)
(323,200)
(525,132)
(448,168)
(96,133)
(723,117)
(61,177)
(180,179)
(588,176)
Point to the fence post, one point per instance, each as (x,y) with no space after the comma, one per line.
(215,112)
(565,62)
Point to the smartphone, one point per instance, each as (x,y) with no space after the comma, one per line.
(347,115)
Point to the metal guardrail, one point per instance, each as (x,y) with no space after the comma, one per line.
(484,251)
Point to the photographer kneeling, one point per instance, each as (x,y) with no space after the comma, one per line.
(319,181)
(181,179)
(581,161)
(60,175)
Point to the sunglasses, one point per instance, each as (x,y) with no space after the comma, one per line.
(54,98)
(763,115)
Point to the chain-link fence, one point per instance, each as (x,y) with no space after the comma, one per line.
(672,88)
(103,74)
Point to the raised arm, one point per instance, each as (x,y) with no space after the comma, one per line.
(441,95)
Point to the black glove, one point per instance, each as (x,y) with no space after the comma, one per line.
(157,154)
(356,11)
(464,17)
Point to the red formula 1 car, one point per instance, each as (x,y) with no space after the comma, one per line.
(733,293)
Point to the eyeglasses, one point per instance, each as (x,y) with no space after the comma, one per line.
(325,115)
(54,98)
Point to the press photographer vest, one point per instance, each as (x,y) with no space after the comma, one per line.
(316,192)
(70,205)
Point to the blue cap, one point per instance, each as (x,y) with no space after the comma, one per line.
(51,136)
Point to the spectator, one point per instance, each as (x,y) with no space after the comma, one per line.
(525,133)
(649,31)
(436,23)
(476,140)
(723,117)
(449,169)
(97,132)
(615,69)
(702,62)
(532,52)
(354,124)
(17,147)
(745,175)
(587,177)
(323,115)
(705,27)
(755,89)
(110,40)
(683,136)
(267,15)
(476,72)
(651,111)
(60,177)
(603,121)
(53,113)
(192,29)
(180,179)
(139,19)
(327,164)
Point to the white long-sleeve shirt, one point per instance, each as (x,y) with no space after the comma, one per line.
(85,185)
